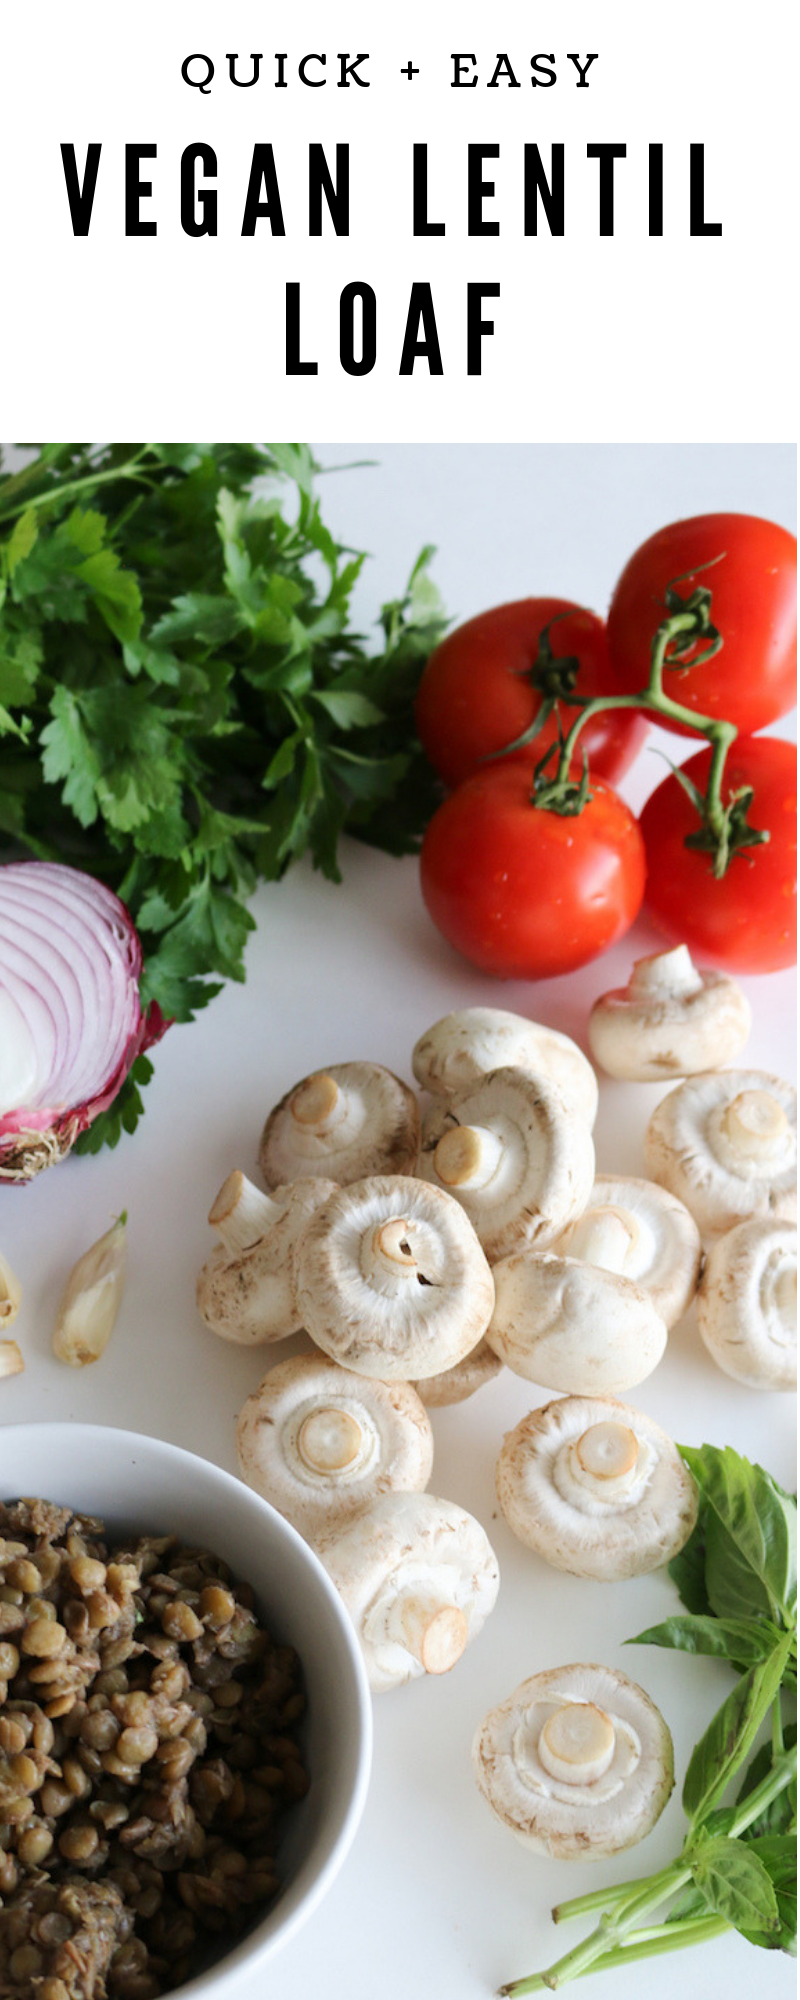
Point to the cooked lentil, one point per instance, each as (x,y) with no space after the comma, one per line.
(149,1748)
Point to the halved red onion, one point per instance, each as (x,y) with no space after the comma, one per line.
(71,1023)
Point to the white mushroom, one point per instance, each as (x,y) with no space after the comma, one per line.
(392,1281)
(467,1044)
(726,1144)
(747,1304)
(642,1232)
(321,1443)
(596,1488)
(345,1122)
(670,1020)
(573,1327)
(418,1577)
(517,1160)
(245,1290)
(578,1762)
(455,1384)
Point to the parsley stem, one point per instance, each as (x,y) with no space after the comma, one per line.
(57,494)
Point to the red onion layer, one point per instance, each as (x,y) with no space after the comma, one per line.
(71,1023)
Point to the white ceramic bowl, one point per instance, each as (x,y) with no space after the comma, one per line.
(141,1483)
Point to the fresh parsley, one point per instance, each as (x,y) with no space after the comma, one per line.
(184,706)
(737,1869)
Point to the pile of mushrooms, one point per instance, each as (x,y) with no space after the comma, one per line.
(421,1249)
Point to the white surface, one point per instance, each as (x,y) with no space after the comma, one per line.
(435,1899)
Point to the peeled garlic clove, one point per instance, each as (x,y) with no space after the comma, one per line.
(10,1293)
(91,1299)
(11,1362)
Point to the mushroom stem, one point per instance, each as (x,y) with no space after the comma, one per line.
(577,1742)
(785,1297)
(604,1236)
(607,1451)
(434,1633)
(755,1123)
(389,1248)
(241,1213)
(318,1103)
(468,1156)
(667,974)
(329,1439)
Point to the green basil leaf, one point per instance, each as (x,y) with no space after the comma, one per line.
(778,1854)
(780,1816)
(688,1572)
(744,1641)
(735,1884)
(751,1535)
(732,1732)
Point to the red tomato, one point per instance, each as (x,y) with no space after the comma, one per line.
(476,695)
(751,681)
(523,892)
(746,921)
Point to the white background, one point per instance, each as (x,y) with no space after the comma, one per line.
(435,1899)
(616,338)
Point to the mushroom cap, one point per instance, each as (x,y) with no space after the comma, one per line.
(455,1384)
(468,1043)
(596,1488)
(345,1122)
(561,1815)
(321,1443)
(418,1577)
(392,1281)
(670,1020)
(726,1144)
(247,1294)
(531,1172)
(747,1304)
(643,1232)
(573,1327)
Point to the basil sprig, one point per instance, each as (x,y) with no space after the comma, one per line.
(737,1578)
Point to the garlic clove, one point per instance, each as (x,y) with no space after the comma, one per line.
(91,1299)
(10,1293)
(11,1362)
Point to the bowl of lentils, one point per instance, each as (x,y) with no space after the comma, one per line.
(185,1725)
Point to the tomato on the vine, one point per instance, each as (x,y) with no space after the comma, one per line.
(524,892)
(477,693)
(745,921)
(750,568)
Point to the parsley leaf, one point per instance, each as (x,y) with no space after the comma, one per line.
(185,708)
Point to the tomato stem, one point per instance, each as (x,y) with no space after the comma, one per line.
(723,828)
